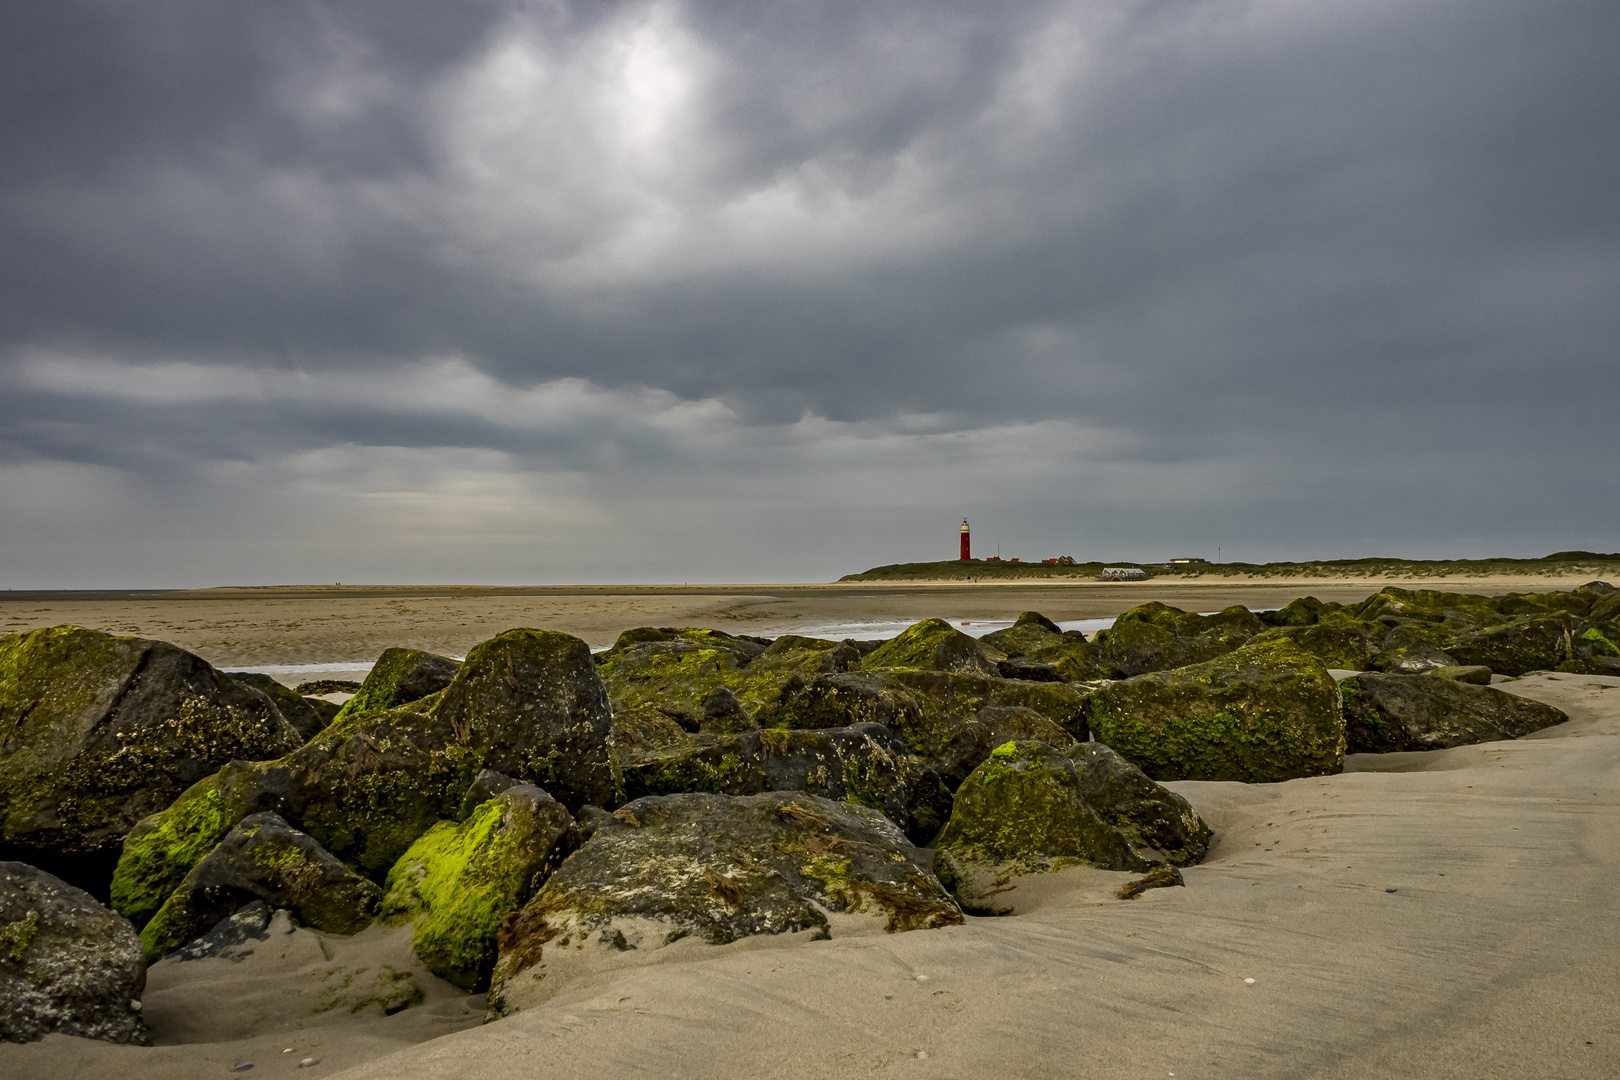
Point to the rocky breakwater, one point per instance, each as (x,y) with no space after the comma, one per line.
(537,814)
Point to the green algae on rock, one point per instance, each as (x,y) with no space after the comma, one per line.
(1031,808)
(527,703)
(1266,712)
(399,677)
(864,763)
(714,869)
(1338,644)
(1025,806)
(677,675)
(263,858)
(934,645)
(1036,640)
(458,883)
(1385,712)
(1525,643)
(306,715)
(98,731)
(1157,637)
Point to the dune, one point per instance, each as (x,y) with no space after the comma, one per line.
(1438,914)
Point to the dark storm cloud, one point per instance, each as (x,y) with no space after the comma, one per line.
(1313,277)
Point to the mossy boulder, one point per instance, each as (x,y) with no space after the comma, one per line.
(1264,713)
(1459,611)
(98,731)
(306,715)
(1411,647)
(531,702)
(459,882)
(526,703)
(399,677)
(1343,645)
(1024,806)
(947,700)
(1159,824)
(263,858)
(1594,650)
(1035,642)
(1157,637)
(972,741)
(743,647)
(679,676)
(865,764)
(1526,643)
(830,701)
(68,966)
(934,645)
(1305,611)
(715,869)
(1385,713)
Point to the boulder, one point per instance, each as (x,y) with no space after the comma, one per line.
(458,883)
(263,858)
(830,701)
(1024,806)
(100,731)
(485,786)
(1037,649)
(1411,648)
(302,713)
(1266,712)
(742,647)
(1459,611)
(971,742)
(1305,611)
(399,677)
(680,675)
(1159,824)
(1385,712)
(934,645)
(1595,650)
(67,965)
(946,701)
(1526,643)
(1157,637)
(1338,644)
(526,704)
(1030,808)
(714,869)
(864,763)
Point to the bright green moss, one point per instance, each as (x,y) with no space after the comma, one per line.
(161,850)
(458,883)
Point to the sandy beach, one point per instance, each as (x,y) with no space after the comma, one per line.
(1444,914)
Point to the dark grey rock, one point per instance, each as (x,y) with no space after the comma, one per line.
(718,869)
(296,709)
(68,965)
(485,786)
(263,858)
(862,763)
(1158,823)
(233,938)
(101,731)
(1388,712)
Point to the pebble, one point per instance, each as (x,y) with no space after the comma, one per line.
(307,1062)
(1249,981)
(242,1066)
(1391,890)
(922,1055)
(922,978)
(134,1004)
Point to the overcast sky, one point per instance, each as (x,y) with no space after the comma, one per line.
(724,291)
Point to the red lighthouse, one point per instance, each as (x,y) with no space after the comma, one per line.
(967,550)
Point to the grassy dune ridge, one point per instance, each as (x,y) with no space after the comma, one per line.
(1559,564)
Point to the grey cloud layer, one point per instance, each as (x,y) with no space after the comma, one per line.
(790,289)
